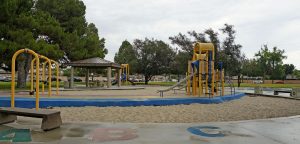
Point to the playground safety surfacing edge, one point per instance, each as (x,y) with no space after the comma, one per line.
(122,102)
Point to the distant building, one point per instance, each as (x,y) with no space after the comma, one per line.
(290,77)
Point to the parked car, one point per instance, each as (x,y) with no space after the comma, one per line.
(257,81)
(8,79)
(2,78)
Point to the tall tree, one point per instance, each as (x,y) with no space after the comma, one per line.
(231,53)
(126,55)
(56,29)
(81,40)
(24,27)
(153,57)
(183,42)
(271,62)
(69,13)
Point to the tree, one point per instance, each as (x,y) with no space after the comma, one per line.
(24,27)
(271,62)
(81,40)
(231,53)
(153,57)
(178,67)
(250,68)
(296,73)
(56,29)
(69,13)
(126,55)
(186,44)
(288,69)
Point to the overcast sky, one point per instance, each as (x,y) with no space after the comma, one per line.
(257,22)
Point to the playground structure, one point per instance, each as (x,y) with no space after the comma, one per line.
(43,75)
(13,71)
(36,61)
(125,72)
(201,70)
(201,73)
(51,119)
(50,62)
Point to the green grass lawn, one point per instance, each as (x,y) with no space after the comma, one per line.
(7,86)
(269,85)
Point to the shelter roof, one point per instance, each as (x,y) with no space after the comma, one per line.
(95,62)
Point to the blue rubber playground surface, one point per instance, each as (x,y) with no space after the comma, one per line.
(122,102)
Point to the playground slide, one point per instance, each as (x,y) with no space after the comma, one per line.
(132,83)
(177,84)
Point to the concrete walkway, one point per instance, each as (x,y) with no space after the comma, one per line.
(270,131)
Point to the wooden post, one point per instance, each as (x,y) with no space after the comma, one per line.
(119,77)
(108,77)
(87,83)
(72,78)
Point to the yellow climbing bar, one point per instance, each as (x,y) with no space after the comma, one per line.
(13,71)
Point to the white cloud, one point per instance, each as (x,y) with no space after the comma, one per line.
(257,22)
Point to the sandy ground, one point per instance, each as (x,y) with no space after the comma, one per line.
(243,109)
(147,92)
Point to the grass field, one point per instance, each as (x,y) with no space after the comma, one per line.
(270,85)
(7,86)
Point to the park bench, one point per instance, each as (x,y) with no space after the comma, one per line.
(276,92)
(51,119)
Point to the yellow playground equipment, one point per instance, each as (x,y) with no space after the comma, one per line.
(57,75)
(125,72)
(43,74)
(13,71)
(35,62)
(202,74)
(50,62)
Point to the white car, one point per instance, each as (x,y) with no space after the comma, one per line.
(257,81)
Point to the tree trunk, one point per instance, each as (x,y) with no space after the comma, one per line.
(146,79)
(23,67)
(239,80)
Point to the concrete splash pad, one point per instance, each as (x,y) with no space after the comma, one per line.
(271,131)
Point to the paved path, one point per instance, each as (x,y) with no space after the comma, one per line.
(270,131)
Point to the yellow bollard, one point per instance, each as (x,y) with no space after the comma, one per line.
(13,71)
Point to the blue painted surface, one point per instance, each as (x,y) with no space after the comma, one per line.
(197,131)
(74,102)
